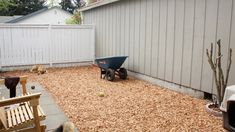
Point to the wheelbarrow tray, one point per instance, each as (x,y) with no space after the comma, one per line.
(114,62)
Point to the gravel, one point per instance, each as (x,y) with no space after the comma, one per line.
(95,104)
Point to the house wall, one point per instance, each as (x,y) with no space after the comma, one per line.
(166,39)
(51,16)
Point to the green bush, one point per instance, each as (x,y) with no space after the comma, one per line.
(75,19)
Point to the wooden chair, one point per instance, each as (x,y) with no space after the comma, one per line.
(23,81)
(26,114)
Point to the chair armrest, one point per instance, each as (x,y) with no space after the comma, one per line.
(22,81)
(21,99)
(2,81)
(22,78)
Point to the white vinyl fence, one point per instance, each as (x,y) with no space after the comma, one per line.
(22,45)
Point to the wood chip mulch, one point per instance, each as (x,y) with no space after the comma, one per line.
(125,105)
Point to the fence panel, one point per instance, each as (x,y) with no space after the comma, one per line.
(22,45)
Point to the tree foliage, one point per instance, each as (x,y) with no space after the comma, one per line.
(67,5)
(20,7)
(71,5)
(5,5)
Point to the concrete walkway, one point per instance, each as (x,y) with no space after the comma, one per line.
(54,115)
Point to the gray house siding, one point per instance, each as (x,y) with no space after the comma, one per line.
(166,39)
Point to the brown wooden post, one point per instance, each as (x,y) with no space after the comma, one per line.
(23,81)
(34,103)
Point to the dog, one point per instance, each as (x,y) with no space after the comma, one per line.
(40,69)
(66,127)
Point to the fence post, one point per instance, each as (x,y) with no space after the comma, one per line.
(1,51)
(1,58)
(93,43)
(50,45)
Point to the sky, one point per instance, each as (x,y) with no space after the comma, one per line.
(56,2)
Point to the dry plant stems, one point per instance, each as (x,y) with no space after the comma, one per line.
(221,81)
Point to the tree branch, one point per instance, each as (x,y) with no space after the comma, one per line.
(228,68)
(213,67)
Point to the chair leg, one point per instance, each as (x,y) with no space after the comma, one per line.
(36,119)
(43,128)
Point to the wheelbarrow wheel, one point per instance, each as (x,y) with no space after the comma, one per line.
(122,73)
(110,75)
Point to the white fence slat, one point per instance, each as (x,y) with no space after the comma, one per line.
(45,44)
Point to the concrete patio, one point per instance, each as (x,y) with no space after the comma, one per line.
(54,115)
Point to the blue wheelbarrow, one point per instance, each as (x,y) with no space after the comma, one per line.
(111,66)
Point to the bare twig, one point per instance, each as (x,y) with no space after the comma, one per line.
(213,67)
(220,72)
(220,80)
(228,68)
